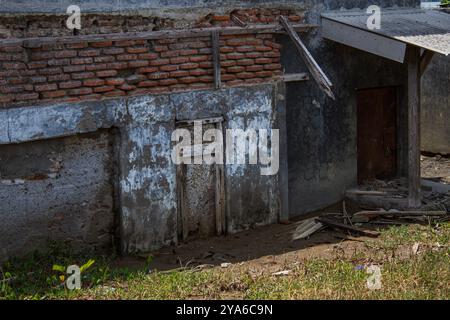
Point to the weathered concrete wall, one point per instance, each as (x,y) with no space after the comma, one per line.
(322,152)
(146,183)
(58,190)
(435,112)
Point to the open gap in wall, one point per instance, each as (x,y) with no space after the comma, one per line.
(200,186)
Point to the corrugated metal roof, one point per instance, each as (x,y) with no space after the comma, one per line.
(429,29)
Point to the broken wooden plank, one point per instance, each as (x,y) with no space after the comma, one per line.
(302,76)
(334,224)
(216,59)
(154,35)
(238,21)
(313,67)
(220,194)
(306,228)
(203,121)
(425,60)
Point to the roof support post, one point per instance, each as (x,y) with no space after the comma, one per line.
(413,60)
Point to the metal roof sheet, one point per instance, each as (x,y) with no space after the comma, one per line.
(428,29)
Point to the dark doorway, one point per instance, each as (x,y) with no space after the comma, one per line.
(377,141)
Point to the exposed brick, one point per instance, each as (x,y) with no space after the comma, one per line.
(228,76)
(113,51)
(14,65)
(235,56)
(148,56)
(66,54)
(168,82)
(179,60)
(198,58)
(114,81)
(137,63)
(187,52)
(245,75)
(77,68)
(159,62)
(137,49)
(127,87)
(198,72)
(45,87)
(126,57)
(37,64)
(38,79)
(58,62)
(106,73)
(53,94)
(245,62)
(59,77)
(89,53)
(41,55)
(48,71)
(236,69)
(93,82)
(148,70)
(272,44)
(226,49)
(253,55)
(187,79)
(70,84)
(189,65)
(263,61)
(169,67)
(160,48)
(205,65)
(82,75)
(274,66)
(101,44)
(245,49)
(80,45)
(263,48)
(81,61)
(118,65)
(80,91)
(236,42)
(102,59)
(95,67)
(27,96)
(254,68)
(179,73)
(263,74)
(206,79)
(158,75)
(125,43)
(103,89)
(148,83)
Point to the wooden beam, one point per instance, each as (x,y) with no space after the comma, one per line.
(413,54)
(216,59)
(204,121)
(238,21)
(425,59)
(154,35)
(295,77)
(220,194)
(313,67)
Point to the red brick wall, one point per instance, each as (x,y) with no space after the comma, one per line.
(89,71)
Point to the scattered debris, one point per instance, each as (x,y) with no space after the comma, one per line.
(282,273)
(335,224)
(225,264)
(415,248)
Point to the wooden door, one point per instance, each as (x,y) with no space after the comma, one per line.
(377,141)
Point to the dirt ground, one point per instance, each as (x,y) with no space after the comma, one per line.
(269,248)
(436,168)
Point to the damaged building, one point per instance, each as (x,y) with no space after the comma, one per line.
(87,115)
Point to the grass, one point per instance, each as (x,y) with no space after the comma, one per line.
(424,274)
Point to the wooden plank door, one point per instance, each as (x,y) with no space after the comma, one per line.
(376,129)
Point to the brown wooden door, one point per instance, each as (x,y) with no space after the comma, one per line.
(377,141)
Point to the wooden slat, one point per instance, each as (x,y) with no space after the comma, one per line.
(335,224)
(313,67)
(153,35)
(220,195)
(216,59)
(186,123)
(295,77)
(238,21)
(414,126)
